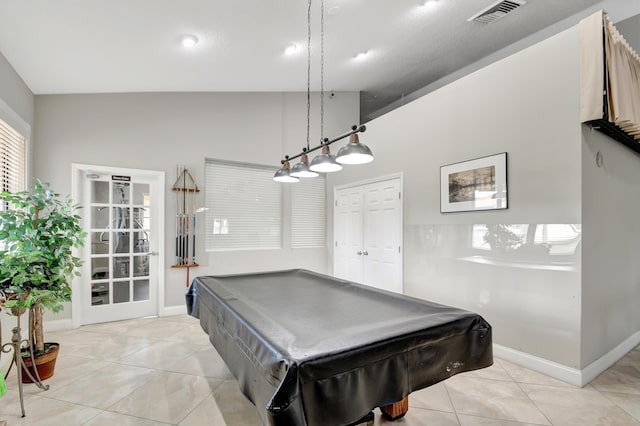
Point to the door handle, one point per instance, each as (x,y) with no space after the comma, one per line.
(153,253)
(366,253)
(359,253)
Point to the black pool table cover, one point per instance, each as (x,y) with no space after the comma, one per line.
(310,349)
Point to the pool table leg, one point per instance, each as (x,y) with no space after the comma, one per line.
(396,410)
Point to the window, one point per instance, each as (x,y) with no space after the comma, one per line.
(13,155)
(308,213)
(244,207)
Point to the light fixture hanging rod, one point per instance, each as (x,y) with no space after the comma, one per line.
(326,142)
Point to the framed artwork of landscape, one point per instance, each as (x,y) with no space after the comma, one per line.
(479,184)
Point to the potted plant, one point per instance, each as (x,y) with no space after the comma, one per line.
(39,231)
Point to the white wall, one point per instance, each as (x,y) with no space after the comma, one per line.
(630,29)
(16,100)
(158,131)
(16,109)
(611,245)
(527,105)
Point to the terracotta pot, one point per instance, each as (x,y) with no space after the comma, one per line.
(45,363)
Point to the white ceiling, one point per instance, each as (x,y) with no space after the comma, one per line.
(95,46)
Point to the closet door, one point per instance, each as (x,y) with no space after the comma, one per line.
(348,234)
(368,234)
(382,260)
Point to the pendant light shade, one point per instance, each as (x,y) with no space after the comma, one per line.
(325,162)
(283,175)
(354,152)
(301,170)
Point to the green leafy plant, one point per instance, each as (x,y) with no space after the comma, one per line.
(38,233)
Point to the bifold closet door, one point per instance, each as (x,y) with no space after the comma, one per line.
(348,231)
(368,234)
(382,260)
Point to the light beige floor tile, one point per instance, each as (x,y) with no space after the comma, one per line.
(184,318)
(628,402)
(494,372)
(105,386)
(108,418)
(169,397)
(71,338)
(159,330)
(419,417)
(483,421)
(206,363)
(206,413)
(493,399)
(631,359)
(579,407)
(620,378)
(191,333)
(524,375)
(10,402)
(118,327)
(69,368)
(234,407)
(160,354)
(110,348)
(434,397)
(50,412)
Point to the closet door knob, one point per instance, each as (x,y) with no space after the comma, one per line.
(366,253)
(359,253)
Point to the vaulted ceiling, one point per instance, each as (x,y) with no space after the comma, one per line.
(97,46)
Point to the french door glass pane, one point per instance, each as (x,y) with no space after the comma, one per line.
(141,194)
(141,290)
(99,192)
(121,193)
(99,217)
(121,291)
(99,294)
(121,267)
(99,268)
(141,266)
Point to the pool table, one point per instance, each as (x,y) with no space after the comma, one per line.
(310,349)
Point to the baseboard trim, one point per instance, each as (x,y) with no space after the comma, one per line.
(169,311)
(562,372)
(594,369)
(541,365)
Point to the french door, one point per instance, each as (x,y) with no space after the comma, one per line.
(120,277)
(368,234)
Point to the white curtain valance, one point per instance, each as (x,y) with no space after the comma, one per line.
(609,76)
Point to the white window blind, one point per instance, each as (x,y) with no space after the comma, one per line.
(13,156)
(308,213)
(244,207)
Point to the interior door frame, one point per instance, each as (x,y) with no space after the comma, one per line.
(337,188)
(78,171)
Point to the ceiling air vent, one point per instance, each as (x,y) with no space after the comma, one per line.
(495,11)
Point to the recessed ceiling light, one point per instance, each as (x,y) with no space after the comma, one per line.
(188,40)
(361,55)
(429,3)
(291,49)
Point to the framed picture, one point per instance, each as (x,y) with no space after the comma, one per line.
(479,184)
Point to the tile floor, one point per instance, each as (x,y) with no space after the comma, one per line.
(158,371)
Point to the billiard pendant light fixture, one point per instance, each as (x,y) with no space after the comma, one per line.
(283,174)
(302,169)
(354,152)
(325,162)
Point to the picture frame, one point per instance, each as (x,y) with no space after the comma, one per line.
(473,185)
